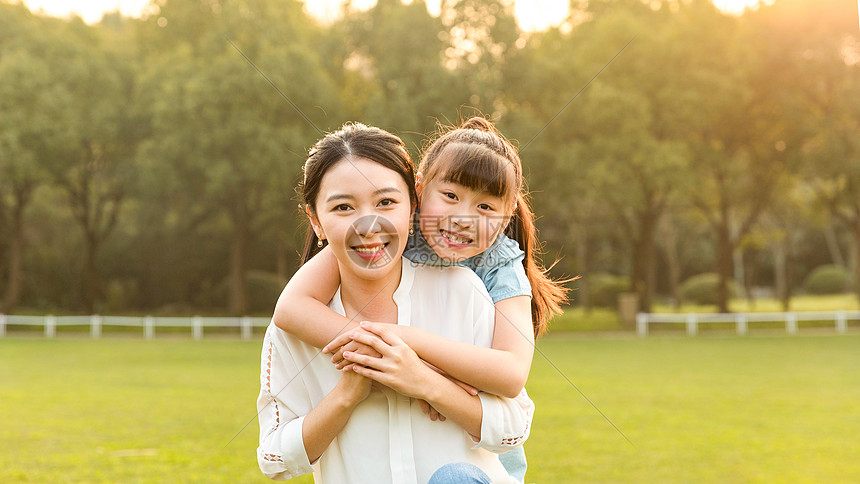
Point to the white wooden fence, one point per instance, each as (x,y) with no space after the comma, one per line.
(741,320)
(147,324)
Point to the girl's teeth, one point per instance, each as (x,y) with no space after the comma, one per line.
(456,239)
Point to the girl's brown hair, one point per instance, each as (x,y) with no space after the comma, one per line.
(353,140)
(478,156)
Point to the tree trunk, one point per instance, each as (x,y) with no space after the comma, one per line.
(856,229)
(91,275)
(833,246)
(780,274)
(13,282)
(724,267)
(670,247)
(239,269)
(584,292)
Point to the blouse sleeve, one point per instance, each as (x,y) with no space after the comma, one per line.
(281,410)
(506,422)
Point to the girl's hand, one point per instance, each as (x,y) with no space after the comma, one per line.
(398,367)
(430,411)
(344,343)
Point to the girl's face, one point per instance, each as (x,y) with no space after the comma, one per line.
(460,222)
(363,210)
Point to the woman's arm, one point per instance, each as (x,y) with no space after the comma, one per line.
(328,418)
(293,432)
(302,308)
(502,369)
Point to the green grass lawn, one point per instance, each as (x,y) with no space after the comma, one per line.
(721,410)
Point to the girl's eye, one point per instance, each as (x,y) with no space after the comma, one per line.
(387,202)
(484,206)
(450,195)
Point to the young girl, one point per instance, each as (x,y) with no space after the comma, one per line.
(473,213)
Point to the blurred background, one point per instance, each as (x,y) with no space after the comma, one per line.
(146,167)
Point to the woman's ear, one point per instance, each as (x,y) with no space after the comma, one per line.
(315,223)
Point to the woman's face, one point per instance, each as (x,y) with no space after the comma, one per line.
(363,210)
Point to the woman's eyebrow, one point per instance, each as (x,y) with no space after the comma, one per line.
(339,196)
(347,196)
(387,190)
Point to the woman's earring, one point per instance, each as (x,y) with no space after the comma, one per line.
(411,230)
(319,243)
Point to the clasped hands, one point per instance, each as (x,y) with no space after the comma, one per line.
(374,350)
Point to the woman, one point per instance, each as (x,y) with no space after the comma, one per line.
(359,195)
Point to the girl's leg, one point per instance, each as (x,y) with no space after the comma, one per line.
(459,473)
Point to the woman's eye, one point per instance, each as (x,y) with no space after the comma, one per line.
(385,202)
(342,207)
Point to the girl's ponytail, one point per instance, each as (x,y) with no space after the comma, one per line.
(547,294)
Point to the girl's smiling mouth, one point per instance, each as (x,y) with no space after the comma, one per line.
(455,239)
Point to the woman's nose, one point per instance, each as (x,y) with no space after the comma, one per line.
(368,225)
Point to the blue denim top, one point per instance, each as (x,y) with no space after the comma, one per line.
(500,267)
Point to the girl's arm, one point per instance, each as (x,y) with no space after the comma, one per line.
(502,369)
(495,423)
(302,309)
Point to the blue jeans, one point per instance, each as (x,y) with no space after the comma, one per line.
(459,473)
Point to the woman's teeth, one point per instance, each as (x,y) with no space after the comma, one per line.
(369,250)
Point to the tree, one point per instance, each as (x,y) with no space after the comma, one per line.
(222,137)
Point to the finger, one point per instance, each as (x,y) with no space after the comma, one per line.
(373,341)
(364,360)
(336,343)
(374,375)
(465,386)
(425,407)
(384,332)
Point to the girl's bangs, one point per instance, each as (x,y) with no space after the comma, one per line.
(477,168)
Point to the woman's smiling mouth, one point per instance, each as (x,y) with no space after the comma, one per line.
(370,251)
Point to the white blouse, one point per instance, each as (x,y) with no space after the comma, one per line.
(388,439)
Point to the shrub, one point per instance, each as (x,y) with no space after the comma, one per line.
(605,289)
(827,279)
(702,289)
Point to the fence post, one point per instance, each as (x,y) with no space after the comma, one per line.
(791,323)
(246,328)
(148,327)
(95,326)
(741,321)
(2,325)
(197,328)
(692,324)
(840,322)
(50,326)
(642,324)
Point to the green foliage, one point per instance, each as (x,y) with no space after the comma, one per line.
(152,157)
(827,279)
(605,288)
(702,289)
